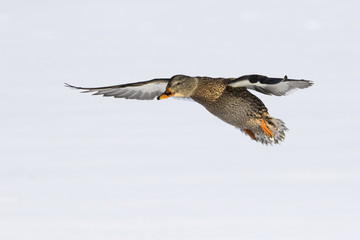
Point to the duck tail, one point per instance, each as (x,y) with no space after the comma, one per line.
(278,128)
(271,131)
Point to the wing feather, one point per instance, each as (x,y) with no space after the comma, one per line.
(270,86)
(146,90)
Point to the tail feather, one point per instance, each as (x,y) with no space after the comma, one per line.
(271,131)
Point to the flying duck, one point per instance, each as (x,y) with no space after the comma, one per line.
(226,98)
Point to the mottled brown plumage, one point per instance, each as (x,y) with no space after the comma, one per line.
(226,98)
(238,107)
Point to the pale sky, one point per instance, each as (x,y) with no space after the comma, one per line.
(76,166)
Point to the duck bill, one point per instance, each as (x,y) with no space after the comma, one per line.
(168,93)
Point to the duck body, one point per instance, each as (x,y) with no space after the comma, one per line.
(226,98)
(240,108)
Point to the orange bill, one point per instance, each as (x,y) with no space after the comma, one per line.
(166,94)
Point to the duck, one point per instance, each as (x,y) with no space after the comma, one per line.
(229,99)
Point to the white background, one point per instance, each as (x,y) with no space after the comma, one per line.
(76,166)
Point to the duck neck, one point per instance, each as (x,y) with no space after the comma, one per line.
(209,90)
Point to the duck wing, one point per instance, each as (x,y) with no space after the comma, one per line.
(146,90)
(268,85)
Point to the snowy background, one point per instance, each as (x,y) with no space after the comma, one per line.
(76,166)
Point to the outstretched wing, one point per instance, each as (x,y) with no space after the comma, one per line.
(269,86)
(146,90)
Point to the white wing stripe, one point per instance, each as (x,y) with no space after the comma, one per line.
(270,86)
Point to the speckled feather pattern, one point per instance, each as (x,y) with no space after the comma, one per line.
(238,107)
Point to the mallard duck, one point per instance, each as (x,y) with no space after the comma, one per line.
(226,98)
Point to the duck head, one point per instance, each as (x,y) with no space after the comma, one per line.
(179,86)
